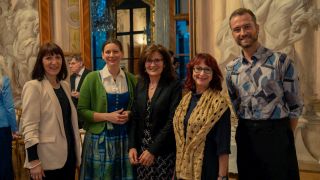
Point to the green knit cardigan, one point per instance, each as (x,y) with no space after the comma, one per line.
(93,99)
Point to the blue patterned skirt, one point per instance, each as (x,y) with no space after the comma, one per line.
(105,155)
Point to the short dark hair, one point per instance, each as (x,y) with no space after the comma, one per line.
(77,57)
(49,48)
(242,11)
(217,78)
(112,41)
(167,74)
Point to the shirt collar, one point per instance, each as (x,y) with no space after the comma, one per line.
(81,72)
(261,54)
(106,74)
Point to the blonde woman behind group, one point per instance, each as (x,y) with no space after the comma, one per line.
(8,127)
(202,124)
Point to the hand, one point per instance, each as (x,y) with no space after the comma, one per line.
(126,113)
(146,158)
(133,156)
(36,172)
(15,135)
(117,117)
(75,94)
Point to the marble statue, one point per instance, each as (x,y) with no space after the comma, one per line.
(7,37)
(19,41)
(282,23)
(26,43)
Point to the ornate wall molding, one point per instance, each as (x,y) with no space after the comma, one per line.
(85,32)
(46,29)
(44,15)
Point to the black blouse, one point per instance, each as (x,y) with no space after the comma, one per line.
(67,122)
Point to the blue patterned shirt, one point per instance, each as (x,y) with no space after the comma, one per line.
(267,88)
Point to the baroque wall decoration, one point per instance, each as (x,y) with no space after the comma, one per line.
(66,25)
(19,41)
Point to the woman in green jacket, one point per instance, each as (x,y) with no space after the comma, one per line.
(105,101)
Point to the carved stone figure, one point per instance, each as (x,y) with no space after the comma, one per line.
(25,45)
(282,23)
(7,38)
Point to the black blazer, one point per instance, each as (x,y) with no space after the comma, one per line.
(72,83)
(163,105)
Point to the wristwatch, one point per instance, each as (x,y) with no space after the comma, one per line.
(224,178)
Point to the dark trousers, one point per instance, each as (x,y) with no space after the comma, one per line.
(67,172)
(6,170)
(266,150)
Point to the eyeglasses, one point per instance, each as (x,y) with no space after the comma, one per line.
(244,27)
(155,61)
(198,69)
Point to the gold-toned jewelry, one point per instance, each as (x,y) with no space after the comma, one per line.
(152,87)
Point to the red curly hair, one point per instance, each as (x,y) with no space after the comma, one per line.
(217,78)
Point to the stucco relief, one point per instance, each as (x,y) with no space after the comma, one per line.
(19,41)
(66,25)
(282,23)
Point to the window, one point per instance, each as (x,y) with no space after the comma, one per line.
(128,21)
(182,46)
(182,38)
(133,19)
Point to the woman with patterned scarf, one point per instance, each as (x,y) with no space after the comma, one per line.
(202,124)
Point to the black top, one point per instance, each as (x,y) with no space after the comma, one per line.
(217,141)
(67,122)
(68,128)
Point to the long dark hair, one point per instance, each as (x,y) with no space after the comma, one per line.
(167,74)
(217,78)
(49,48)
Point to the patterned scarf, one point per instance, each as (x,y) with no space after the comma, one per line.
(207,112)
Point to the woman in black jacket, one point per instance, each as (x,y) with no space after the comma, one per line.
(151,137)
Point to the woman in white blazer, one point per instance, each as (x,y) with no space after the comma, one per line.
(49,119)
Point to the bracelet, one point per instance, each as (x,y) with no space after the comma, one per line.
(224,177)
(35,165)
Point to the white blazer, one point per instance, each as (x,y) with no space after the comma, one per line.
(42,123)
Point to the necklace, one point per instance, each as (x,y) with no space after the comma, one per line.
(56,86)
(152,86)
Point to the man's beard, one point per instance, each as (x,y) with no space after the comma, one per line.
(253,40)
